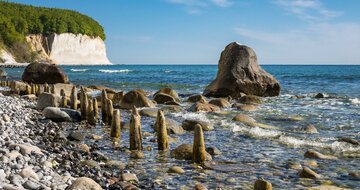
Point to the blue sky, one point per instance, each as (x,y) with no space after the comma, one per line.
(196,31)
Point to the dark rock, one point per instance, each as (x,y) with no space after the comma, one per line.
(311,129)
(185,152)
(76,136)
(261,184)
(239,72)
(3,74)
(40,73)
(349,140)
(308,173)
(250,99)
(320,95)
(161,98)
(197,98)
(213,151)
(189,125)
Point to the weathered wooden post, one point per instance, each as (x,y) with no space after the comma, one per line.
(52,89)
(83,103)
(109,111)
(63,99)
(135,131)
(199,152)
(28,89)
(96,109)
(90,113)
(46,88)
(32,88)
(115,125)
(162,137)
(74,98)
(103,106)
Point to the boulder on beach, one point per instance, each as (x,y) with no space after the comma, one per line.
(48,100)
(169,92)
(62,114)
(239,72)
(318,155)
(41,73)
(205,107)
(135,98)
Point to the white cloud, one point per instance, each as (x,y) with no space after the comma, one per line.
(196,6)
(310,10)
(317,43)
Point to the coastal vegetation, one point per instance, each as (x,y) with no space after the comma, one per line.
(18,20)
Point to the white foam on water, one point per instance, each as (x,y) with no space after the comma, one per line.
(194,116)
(78,70)
(167,71)
(252,131)
(300,142)
(355,101)
(115,71)
(344,147)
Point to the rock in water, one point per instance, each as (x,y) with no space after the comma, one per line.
(84,183)
(261,184)
(239,73)
(135,98)
(41,73)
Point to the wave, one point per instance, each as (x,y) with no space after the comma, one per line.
(355,101)
(115,71)
(195,116)
(167,71)
(78,70)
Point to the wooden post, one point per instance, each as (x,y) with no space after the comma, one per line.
(52,89)
(83,104)
(135,131)
(32,89)
(199,152)
(109,111)
(73,98)
(115,125)
(90,113)
(162,137)
(62,92)
(103,106)
(46,88)
(63,99)
(96,109)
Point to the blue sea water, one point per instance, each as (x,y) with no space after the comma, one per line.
(294,79)
(247,152)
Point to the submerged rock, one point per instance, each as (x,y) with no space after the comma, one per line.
(189,125)
(311,129)
(245,107)
(250,99)
(213,151)
(185,152)
(261,184)
(349,140)
(319,95)
(244,119)
(135,98)
(326,187)
(308,173)
(239,72)
(205,107)
(162,98)
(315,154)
(197,98)
(149,112)
(220,102)
(40,73)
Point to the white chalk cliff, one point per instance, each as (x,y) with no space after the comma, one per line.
(69,49)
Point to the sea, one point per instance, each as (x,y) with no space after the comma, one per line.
(248,153)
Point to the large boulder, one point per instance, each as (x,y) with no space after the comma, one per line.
(162,98)
(48,100)
(169,92)
(204,107)
(61,114)
(135,98)
(41,73)
(189,125)
(239,72)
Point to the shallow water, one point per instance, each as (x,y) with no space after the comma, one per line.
(247,152)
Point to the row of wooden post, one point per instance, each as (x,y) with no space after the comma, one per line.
(89,111)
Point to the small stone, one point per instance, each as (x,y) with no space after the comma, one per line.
(84,183)
(91,164)
(244,119)
(6,118)
(26,149)
(176,169)
(355,175)
(28,172)
(200,186)
(250,99)
(76,136)
(315,154)
(320,95)
(136,154)
(115,164)
(213,151)
(311,163)
(261,184)
(129,177)
(308,173)
(84,148)
(13,155)
(31,185)
(311,129)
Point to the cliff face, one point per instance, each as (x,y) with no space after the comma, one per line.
(69,49)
